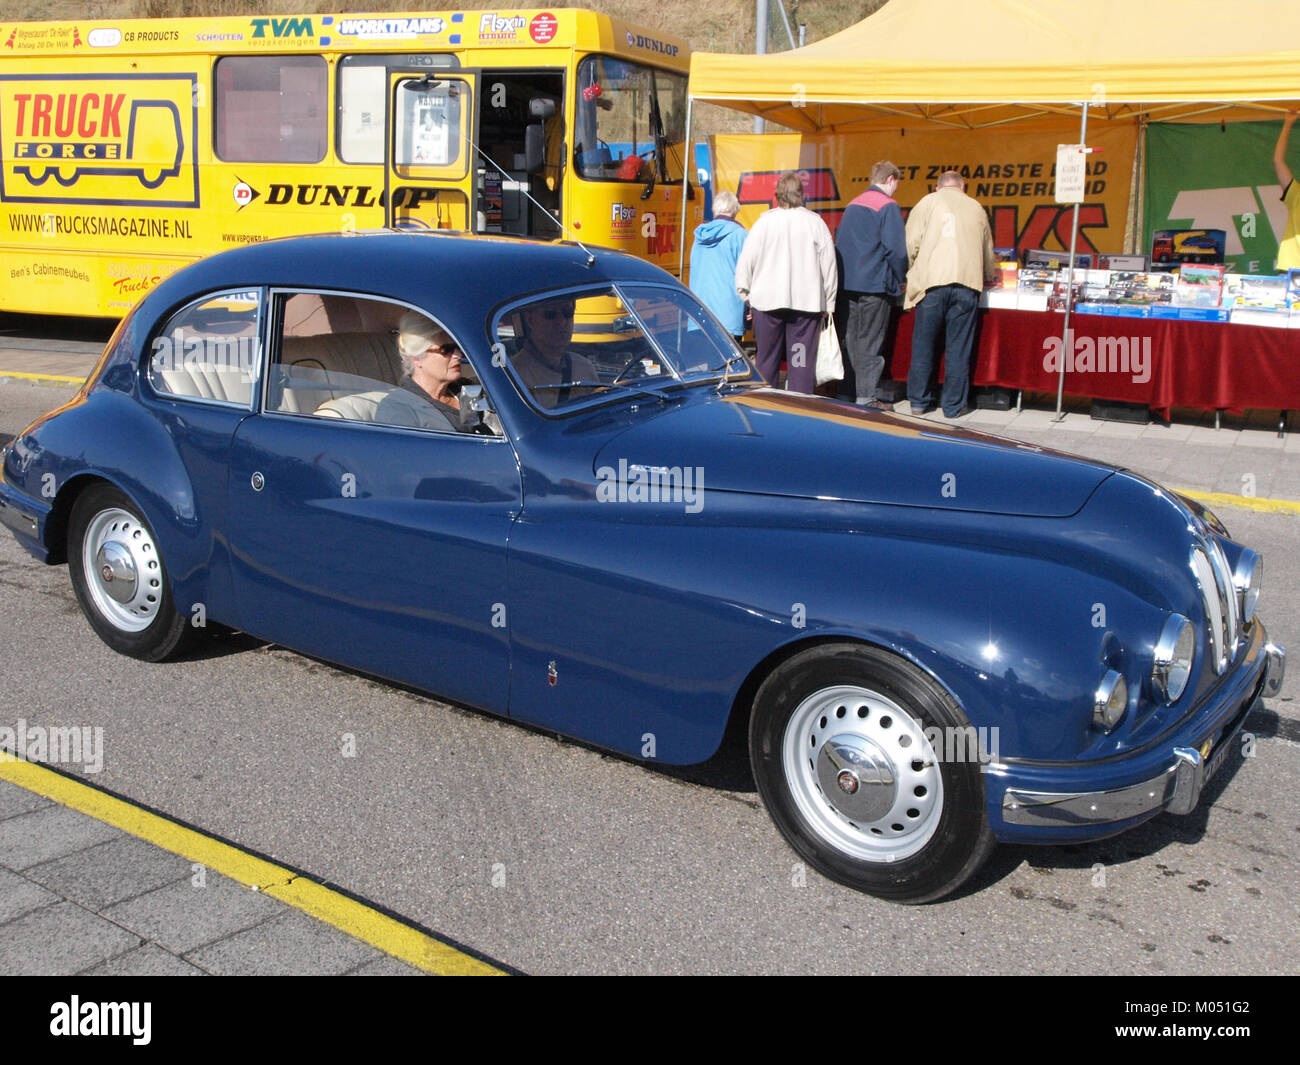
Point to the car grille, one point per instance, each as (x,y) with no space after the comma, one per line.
(1222,622)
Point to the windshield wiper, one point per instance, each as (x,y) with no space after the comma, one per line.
(732,359)
(659,162)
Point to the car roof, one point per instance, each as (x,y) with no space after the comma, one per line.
(482,270)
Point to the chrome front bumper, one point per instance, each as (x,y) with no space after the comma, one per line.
(1176,790)
(17,520)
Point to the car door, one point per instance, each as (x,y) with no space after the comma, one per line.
(378,546)
(198,380)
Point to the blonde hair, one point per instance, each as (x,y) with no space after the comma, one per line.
(415,332)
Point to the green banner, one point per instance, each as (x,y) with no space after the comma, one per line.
(1212,177)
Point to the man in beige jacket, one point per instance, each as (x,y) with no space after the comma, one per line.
(950,252)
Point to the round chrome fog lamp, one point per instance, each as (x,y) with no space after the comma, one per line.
(1109,701)
(1247,579)
(1172,663)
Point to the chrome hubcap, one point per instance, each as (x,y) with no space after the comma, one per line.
(116,571)
(862,773)
(856,777)
(123,574)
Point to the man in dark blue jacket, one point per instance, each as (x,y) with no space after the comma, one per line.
(872,250)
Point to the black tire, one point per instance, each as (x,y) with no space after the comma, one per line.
(850,717)
(147,624)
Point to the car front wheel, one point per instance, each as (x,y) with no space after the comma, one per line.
(119,577)
(853,752)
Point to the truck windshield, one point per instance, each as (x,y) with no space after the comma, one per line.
(615,133)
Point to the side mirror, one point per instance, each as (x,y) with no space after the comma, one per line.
(475,399)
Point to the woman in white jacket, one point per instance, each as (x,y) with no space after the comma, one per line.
(787,273)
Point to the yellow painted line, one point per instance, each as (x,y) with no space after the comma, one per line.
(390,935)
(43,378)
(1223,499)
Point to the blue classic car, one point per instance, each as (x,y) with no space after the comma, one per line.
(542,481)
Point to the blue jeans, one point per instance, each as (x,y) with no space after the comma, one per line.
(947,312)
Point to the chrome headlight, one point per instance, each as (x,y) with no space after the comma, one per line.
(1109,701)
(1248,578)
(1172,664)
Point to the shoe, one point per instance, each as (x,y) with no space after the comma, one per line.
(960,414)
(922,412)
(877,404)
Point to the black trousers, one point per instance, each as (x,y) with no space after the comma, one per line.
(864,338)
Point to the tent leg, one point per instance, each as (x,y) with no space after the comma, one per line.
(1067,348)
(688,165)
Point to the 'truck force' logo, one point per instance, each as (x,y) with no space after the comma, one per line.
(98,139)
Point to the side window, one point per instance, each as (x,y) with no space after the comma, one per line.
(209,350)
(362,94)
(366,360)
(271,109)
(362,97)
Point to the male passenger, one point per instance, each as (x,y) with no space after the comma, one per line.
(545,361)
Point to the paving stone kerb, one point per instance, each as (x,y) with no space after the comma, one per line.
(80,896)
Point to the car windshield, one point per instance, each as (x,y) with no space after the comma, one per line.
(568,347)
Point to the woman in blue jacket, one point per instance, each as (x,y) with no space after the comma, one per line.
(713,263)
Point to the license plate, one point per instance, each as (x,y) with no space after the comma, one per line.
(1220,756)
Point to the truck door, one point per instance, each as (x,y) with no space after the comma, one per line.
(430,167)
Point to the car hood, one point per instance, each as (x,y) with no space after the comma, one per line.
(769,442)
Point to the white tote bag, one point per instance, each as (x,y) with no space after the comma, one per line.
(830,361)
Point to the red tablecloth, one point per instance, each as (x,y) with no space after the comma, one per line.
(1207,365)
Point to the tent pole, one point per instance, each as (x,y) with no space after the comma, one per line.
(1066,347)
(688,166)
(1140,234)
(760,48)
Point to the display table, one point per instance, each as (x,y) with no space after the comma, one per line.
(1205,365)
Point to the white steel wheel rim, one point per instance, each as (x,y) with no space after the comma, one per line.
(862,773)
(123,573)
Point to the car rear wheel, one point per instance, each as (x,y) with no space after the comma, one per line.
(853,752)
(120,579)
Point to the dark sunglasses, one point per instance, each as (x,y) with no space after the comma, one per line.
(445,350)
(552,313)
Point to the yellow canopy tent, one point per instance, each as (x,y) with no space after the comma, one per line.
(973,64)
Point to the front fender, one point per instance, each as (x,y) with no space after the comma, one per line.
(1019,637)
